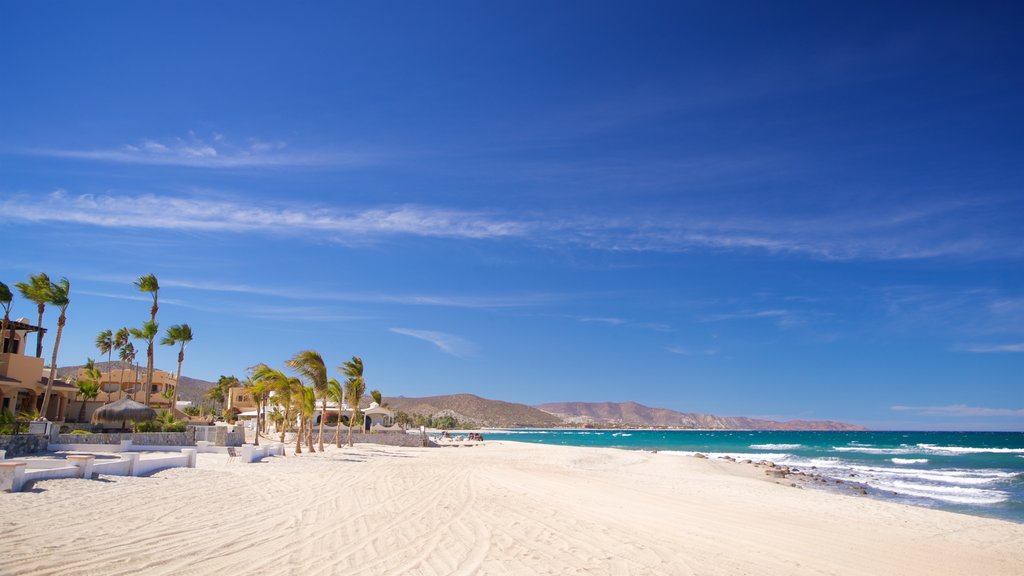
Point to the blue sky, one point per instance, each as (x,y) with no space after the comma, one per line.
(800,211)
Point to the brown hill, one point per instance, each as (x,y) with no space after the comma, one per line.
(477,411)
(634,414)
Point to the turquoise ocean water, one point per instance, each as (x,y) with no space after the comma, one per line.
(979,473)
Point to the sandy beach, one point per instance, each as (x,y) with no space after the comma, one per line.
(500,508)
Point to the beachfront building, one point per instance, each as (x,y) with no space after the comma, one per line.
(23,378)
(131,382)
(377,418)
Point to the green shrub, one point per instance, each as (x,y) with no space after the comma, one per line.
(80,432)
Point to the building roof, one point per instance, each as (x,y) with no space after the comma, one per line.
(22,324)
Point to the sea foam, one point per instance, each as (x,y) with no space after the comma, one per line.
(775,446)
(968,449)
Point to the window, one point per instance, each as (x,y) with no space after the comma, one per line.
(155,388)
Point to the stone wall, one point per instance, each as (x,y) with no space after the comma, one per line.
(23,444)
(219,435)
(186,438)
(388,438)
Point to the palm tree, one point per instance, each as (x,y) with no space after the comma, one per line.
(58,297)
(376,396)
(262,380)
(336,392)
(121,339)
(88,387)
(283,396)
(222,390)
(147,333)
(259,390)
(177,334)
(299,398)
(127,354)
(105,344)
(149,284)
(355,386)
(310,365)
(37,289)
(6,297)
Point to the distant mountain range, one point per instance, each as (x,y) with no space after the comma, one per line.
(476,411)
(633,414)
(472,410)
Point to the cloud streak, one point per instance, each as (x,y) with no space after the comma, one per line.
(214,152)
(887,237)
(994,348)
(960,410)
(447,343)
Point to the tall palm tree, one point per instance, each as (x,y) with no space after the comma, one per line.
(177,334)
(310,365)
(336,392)
(89,386)
(376,396)
(59,293)
(105,344)
(355,386)
(6,297)
(127,354)
(299,397)
(222,390)
(147,333)
(262,381)
(121,339)
(149,284)
(283,396)
(37,289)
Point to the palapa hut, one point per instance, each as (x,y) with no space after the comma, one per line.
(121,411)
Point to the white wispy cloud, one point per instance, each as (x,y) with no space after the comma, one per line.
(888,237)
(450,301)
(215,151)
(993,348)
(960,410)
(781,317)
(687,351)
(200,214)
(447,343)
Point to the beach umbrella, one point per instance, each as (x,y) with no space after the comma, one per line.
(122,410)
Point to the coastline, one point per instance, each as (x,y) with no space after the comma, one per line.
(498,508)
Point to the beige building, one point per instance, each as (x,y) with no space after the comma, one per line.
(23,378)
(241,399)
(130,382)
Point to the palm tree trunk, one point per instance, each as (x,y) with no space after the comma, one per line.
(256,441)
(120,385)
(309,434)
(149,371)
(337,430)
(298,435)
(177,379)
(323,418)
(53,366)
(351,420)
(81,411)
(39,334)
(3,330)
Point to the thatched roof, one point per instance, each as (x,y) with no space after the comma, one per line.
(121,410)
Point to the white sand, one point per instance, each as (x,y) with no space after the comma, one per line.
(502,508)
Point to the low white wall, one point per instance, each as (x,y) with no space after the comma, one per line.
(52,473)
(112,467)
(150,465)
